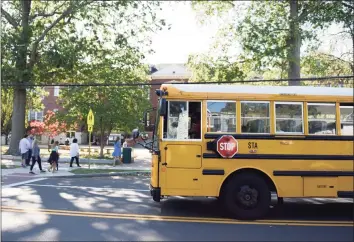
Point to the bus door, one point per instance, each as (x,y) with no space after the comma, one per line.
(181,147)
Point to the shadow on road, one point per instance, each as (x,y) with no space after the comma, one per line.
(130,195)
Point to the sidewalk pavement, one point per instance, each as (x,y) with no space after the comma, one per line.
(138,155)
(142,162)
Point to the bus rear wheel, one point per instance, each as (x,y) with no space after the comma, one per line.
(247,196)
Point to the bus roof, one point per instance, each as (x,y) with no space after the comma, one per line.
(270,90)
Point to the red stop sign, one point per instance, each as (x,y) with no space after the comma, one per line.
(227,146)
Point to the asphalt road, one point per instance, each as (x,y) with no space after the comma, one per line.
(121,209)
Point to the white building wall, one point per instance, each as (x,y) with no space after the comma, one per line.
(80,136)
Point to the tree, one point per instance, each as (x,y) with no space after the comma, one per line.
(6,113)
(33,103)
(324,64)
(206,69)
(116,107)
(46,40)
(50,126)
(271,33)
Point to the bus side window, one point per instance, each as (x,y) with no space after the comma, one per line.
(346,118)
(289,117)
(221,116)
(321,118)
(255,117)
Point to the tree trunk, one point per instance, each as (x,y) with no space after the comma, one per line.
(18,120)
(19,106)
(294,44)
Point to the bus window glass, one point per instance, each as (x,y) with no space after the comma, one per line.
(183,120)
(255,117)
(221,116)
(346,118)
(321,118)
(288,117)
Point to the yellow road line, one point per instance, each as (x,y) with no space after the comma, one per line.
(174,219)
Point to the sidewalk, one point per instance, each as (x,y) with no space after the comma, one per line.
(142,162)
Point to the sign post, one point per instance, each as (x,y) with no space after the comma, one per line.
(90,123)
(227,146)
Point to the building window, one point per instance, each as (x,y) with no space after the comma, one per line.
(346,118)
(289,117)
(255,117)
(56,91)
(34,115)
(70,134)
(321,118)
(221,116)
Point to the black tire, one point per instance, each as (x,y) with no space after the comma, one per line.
(252,186)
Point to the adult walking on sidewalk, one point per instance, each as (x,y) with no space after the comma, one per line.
(24,147)
(74,153)
(30,140)
(36,157)
(54,157)
(117,153)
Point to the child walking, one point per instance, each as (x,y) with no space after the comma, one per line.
(36,157)
(54,157)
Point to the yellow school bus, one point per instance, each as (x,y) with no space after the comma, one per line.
(286,141)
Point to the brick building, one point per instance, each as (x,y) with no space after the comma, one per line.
(51,103)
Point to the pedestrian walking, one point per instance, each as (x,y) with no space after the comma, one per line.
(117,153)
(36,157)
(24,147)
(30,140)
(74,153)
(54,157)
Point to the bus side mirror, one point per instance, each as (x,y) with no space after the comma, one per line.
(163,108)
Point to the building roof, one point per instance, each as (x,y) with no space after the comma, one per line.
(171,71)
(272,90)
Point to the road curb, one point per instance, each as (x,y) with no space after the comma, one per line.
(100,174)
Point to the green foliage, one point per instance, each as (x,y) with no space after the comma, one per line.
(323,64)
(205,69)
(264,31)
(58,41)
(116,107)
(6,110)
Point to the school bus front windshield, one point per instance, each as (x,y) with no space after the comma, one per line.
(251,145)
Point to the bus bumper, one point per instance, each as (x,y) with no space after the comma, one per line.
(155,193)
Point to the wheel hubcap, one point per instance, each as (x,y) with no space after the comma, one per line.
(247,197)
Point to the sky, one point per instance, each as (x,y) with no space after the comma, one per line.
(187,36)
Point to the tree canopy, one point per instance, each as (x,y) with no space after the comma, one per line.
(270,34)
(49,42)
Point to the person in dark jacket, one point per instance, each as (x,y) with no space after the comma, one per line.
(54,157)
(36,157)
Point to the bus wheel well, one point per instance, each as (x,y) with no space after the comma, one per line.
(266,178)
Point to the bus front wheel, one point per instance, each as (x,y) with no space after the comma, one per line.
(247,196)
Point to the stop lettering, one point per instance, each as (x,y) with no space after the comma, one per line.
(227,146)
